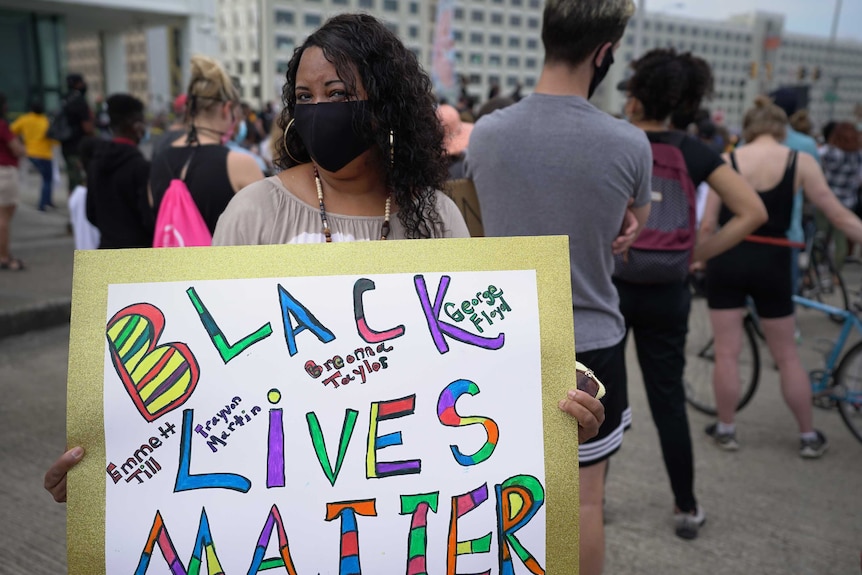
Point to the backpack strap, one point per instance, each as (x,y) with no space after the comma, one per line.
(185,169)
(733,162)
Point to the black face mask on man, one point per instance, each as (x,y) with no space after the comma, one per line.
(601,72)
(334,133)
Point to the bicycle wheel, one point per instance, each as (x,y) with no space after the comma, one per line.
(847,389)
(825,284)
(700,361)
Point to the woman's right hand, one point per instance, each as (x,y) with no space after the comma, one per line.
(55,477)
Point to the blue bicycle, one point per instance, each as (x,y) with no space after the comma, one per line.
(842,386)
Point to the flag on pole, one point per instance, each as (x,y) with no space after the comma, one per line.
(443,54)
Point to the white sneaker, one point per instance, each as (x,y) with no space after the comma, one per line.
(688,524)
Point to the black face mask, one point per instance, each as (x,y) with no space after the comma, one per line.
(601,72)
(334,133)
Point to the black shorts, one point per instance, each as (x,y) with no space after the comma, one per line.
(760,271)
(609,365)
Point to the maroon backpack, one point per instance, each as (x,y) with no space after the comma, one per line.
(662,252)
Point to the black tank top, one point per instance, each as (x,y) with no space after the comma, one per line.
(778,202)
(206,178)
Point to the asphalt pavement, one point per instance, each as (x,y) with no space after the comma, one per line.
(769,512)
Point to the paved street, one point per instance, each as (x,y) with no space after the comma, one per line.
(769,512)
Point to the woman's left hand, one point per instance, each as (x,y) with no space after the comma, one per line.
(588,410)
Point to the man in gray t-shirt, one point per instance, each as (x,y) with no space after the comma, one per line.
(553,164)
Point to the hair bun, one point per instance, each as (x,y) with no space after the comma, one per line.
(762,102)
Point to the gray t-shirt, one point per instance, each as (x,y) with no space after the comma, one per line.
(556,165)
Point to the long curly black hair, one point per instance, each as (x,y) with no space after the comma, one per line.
(666,82)
(400,101)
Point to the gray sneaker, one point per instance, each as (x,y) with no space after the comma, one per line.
(726,441)
(688,524)
(813,448)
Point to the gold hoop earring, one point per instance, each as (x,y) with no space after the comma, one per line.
(391,149)
(284,137)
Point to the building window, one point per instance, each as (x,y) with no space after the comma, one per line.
(512,81)
(390,5)
(535,3)
(517,2)
(458,35)
(477,16)
(514,42)
(459,56)
(495,40)
(342,2)
(281,66)
(532,43)
(477,38)
(240,68)
(366,4)
(529,81)
(459,13)
(476,58)
(532,23)
(413,31)
(495,60)
(393,27)
(285,43)
(256,92)
(414,7)
(514,20)
(493,80)
(475,79)
(312,20)
(530,63)
(496,18)
(255,67)
(513,62)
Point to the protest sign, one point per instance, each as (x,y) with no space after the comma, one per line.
(379,407)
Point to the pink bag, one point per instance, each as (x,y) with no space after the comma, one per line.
(179,223)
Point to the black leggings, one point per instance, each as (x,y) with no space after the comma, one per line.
(658,316)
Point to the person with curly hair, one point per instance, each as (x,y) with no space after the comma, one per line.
(665,82)
(361,142)
(362,151)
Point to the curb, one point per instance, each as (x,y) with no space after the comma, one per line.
(39,316)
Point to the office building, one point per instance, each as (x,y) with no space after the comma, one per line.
(750,54)
(33,38)
(496,42)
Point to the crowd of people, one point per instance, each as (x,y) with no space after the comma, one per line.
(360,150)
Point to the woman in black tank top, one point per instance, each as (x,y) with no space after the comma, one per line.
(760,269)
(212,173)
(778,202)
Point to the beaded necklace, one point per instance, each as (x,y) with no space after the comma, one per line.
(384,230)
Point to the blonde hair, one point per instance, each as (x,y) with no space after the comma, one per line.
(209,86)
(765,118)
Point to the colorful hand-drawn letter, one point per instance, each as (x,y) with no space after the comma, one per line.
(159,379)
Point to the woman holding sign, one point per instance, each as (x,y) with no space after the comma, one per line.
(363,160)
